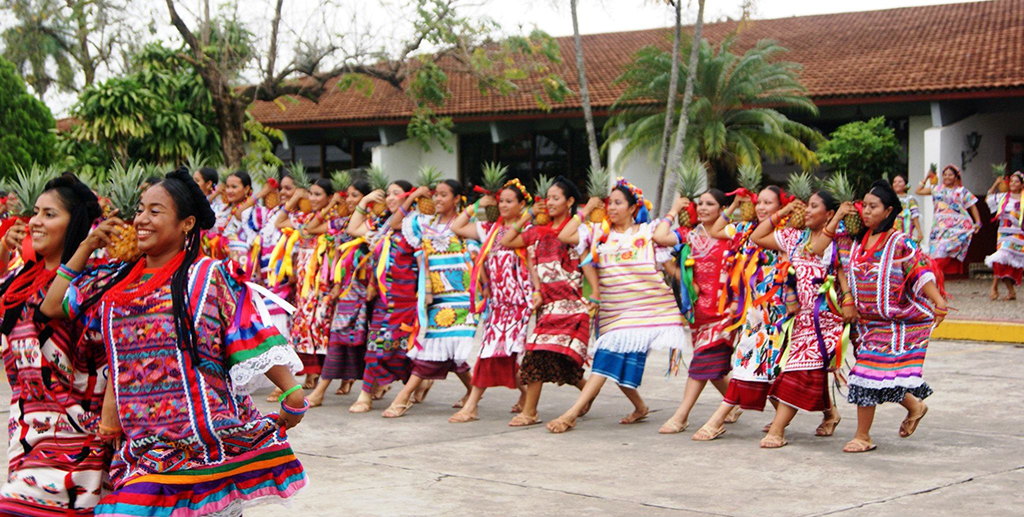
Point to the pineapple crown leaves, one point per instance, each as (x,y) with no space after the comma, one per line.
(933,167)
(999,169)
(597,182)
(300,176)
(749,177)
(494,176)
(124,189)
(541,185)
(196,160)
(341,180)
(262,173)
(840,187)
(28,185)
(429,176)
(800,186)
(378,178)
(691,178)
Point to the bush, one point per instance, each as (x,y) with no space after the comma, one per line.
(866,150)
(25,125)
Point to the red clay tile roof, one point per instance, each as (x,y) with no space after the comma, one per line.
(939,50)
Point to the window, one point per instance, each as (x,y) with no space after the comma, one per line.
(527,156)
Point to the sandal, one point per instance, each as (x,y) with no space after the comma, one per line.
(522,420)
(559,426)
(773,442)
(381,391)
(360,407)
(461,418)
(767,427)
(734,415)
(516,408)
(671,427)
(632,418)
(828,427)
(855,446)
(420,395)
(909,424)
(396,410)
(706,434)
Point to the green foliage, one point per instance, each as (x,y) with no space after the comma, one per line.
(425,127)
(26,184)
(735,117)
(867,150)
(25,124)
(260,141)
(37,46)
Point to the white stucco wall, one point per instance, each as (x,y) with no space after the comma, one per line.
(917,166)
(403,159)
(639,168)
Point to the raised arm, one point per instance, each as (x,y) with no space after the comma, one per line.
(513,238)
(357,224)
(11,241)
(463,226)
(821,242)
(922,188)
(570,233)
(764,236)
(663,234)
(283,219)
(396,219)
(99,237)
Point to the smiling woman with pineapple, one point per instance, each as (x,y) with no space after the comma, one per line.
(56,463)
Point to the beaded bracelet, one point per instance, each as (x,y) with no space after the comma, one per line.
(595,302)
(296,411)
(405,213)
(775,219)
(291,390)
(666,219)
(362,210)
(827,233)
(68,271)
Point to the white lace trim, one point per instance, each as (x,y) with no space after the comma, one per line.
(443,349)
(1006,258)
(247,376)
(897,382)
(236,507)
(631,340)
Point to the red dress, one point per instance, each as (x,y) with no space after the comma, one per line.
(711,342)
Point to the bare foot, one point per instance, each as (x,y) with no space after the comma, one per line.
(827,427)
(421,392)
(462,401)
(635,416)
(523,420)
(315,399)
(993,294)
(311,381)
(517,408)
(462,417)
(1011,297)
(586,409)
(561,425)
(274,395)
(345,388)
(673,427)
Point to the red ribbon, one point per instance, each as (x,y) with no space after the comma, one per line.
(786,197)
(744,192)
(480,190)
(272,183)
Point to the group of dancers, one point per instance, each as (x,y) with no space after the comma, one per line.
(131,379)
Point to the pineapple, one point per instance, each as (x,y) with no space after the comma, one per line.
(340,182)
(195,161)
(261,175)
(933,174)
(223,172)
(301,179)
(26,187)
(124,189)
(378,181)
(597,186)
(840,187)
(494,180)
(429,176)
(540,190)
(999,171)
(800,187)
(749,177)
(691,176)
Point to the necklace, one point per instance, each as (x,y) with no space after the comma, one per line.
(701,243)
(27,283)
(863,251)
(119,294)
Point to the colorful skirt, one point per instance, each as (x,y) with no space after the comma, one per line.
(437,370)
(496,372)
(625,368)
(710,363)
(555,367)
(1004,272)
(748,395)
(268,473)
(802,389)
(890,362)
(346,348)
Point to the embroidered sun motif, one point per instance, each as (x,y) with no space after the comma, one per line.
(445,317)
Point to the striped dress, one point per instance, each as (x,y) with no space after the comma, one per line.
(57,372)
(393,267)
(892,333)
(638,311)
(346,348)
(450,327)
(194,442)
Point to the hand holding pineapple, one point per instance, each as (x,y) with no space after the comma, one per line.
(104,234)
(678,206)
(593,203)
(15,235)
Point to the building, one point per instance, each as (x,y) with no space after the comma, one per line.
(949,78)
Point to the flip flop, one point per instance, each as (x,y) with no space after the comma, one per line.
(708,434)
(521,420)
(909,425)
(777,443)
(396,410)
(560,426)
(860,446)
(461,418)
(671,427)
(827,428)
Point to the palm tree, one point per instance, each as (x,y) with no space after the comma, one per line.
(734,118)
(588,115)
(673,85)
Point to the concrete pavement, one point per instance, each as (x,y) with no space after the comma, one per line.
(966,457)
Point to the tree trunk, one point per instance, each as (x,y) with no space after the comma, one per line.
(588,116)
(670,106)
(691,74)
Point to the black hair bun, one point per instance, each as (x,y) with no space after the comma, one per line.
(205,217)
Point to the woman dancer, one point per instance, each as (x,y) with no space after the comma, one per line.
(1007,262)
(186,345)
(393,270)
(509,296)
(346,350)
(446,327)
(312,318)
(956,220)
(56,464)
(909,220)
(636,309)
(892,284)
(233,242)
(556,348)
(712,337)
(803,383)
(758,344)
